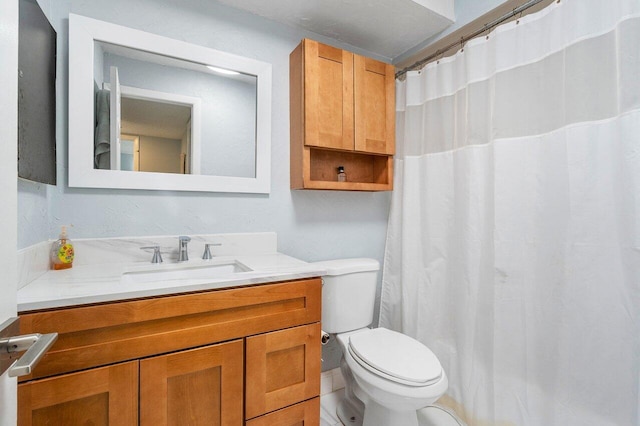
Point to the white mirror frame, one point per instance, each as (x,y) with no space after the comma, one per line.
(83,33)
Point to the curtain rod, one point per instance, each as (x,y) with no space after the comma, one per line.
(487,27)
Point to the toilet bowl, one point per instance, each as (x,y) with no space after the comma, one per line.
(388,375)
(393,375)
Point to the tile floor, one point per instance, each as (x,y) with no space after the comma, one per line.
(331,391)
(328,405)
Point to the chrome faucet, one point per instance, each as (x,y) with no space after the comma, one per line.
(183,252)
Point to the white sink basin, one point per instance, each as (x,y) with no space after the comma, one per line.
(186,274)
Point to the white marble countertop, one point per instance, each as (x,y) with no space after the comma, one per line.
(85,284)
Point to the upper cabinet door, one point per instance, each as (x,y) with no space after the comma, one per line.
(374,86)
(328,93)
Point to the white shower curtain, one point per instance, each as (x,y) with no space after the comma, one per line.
(513,247)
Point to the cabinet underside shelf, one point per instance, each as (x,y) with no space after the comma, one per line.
(365,172)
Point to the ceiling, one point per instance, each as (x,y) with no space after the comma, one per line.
(386,28)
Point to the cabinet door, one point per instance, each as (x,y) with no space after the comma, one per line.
(374,93)
(195,387)
(100,396)
(282,368)
(303,414)
(328,96)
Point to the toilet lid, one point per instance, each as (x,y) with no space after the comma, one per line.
(397,356)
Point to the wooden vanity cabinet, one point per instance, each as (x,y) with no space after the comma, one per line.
(217,357)
(342,109)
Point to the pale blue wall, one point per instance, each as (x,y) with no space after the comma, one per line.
(311,225)
(115,213)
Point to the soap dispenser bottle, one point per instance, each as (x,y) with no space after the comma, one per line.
(62,252)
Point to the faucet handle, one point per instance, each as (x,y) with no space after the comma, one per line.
(184,239)
(207,253)
(157,256)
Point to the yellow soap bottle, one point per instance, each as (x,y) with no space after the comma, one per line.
(62,252)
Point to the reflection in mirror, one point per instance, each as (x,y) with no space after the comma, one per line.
(157,99)
(161,135)
(129,153)
(150,112)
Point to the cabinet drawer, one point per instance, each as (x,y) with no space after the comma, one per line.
(303,414)
(101,396)
(282,368)
(91,336)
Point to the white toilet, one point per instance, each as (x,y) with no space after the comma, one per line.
(388,375)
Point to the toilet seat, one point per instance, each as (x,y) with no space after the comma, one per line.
(395,356)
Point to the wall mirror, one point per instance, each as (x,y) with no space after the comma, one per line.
(149,112)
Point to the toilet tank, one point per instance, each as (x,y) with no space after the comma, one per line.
(348,293)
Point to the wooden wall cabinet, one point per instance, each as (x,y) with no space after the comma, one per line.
(342,108)
(180,360)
